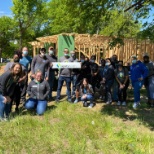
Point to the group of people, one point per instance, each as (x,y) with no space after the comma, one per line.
(110,79)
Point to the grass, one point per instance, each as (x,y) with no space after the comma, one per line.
(72,129)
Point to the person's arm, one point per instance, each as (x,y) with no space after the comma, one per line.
(29,67)
(33,65)
(7,67)
(145,72)
(4,79)
(47,89)
(29,89)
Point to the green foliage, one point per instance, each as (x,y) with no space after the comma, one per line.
(28,16)
(6,36)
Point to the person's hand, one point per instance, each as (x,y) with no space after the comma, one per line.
(8,99)
(5,100)
(84,96)
(121,86)
(140,79)
(104,80)
(51,64)
(20,79)
(33,75)
(47,79)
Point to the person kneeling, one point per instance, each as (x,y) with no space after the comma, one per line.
(38,90)
(86,91)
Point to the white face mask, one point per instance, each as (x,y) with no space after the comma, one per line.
(134,61)
(42,54)
(107,64)
(51,52)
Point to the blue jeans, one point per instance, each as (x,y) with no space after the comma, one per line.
(137,86)
(4,108)
(74,82)
(88,98)
(51,81)
(60,84)
(40,105)
(115,90)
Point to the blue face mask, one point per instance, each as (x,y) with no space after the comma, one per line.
(107,64)
(51,52)
(25,52)
(134,61)
(92,61)
(82,60)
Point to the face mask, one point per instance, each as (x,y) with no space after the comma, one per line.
(51,52)
(134,61)
(72,54)
(16,60)
(42,54)
(66,55)
(107,64)
(25,52)
(92,61)
(82,60)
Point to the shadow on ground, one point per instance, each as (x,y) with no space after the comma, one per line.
(144,114)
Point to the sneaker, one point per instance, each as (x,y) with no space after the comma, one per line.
(76,101)
(136,104)
(91,105)
(118,103)
(57,100)
(69,100)
(85,104)
(123,103)
(108,103)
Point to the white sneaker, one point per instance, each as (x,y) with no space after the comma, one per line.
(135,105)
(108,103)
(123,103)
(118,103)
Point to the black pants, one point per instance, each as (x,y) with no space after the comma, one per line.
(23,88)
(122,93)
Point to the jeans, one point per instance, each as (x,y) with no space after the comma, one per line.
(60,84)
(40,105)
(51,81)
(4,108)
(88,98)
(108,85)
(137,86)
(115,90)
(74,83)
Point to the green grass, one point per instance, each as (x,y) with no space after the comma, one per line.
(72,129)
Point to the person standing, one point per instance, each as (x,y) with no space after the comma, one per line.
(25,61)
(149,80)
(108,80)
(40,63)
(74,73)
(8,81)
(64,75)
(51,76)
(122,77)
(138,73)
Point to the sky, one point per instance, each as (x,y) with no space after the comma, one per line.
(5,6)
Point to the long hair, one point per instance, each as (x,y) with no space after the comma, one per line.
(82,86)
(20,73)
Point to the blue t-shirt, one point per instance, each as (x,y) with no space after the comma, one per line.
(25,61)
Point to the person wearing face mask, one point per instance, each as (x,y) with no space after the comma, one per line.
(74,73)
(108,79)
(64,75)
(138,73)
(122,77)
(18,88)
(95,75)
(149,80)
(25,61)
(51,76)
(40,63)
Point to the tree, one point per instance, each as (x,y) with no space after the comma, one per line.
(27,13)
(6,35)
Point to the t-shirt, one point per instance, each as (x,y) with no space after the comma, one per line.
(121,75)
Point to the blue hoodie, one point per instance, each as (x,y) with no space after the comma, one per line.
(138,70)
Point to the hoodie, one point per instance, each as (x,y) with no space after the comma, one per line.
(138,70)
